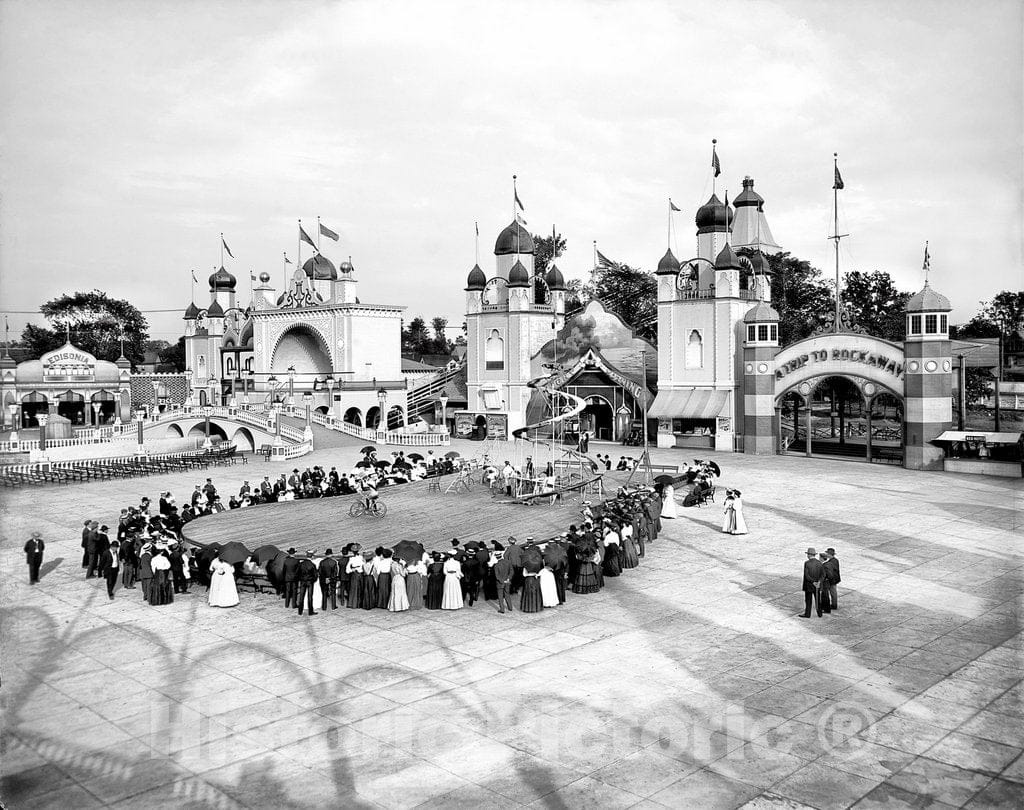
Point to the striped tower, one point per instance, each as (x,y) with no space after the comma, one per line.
(760,345)
(928,391)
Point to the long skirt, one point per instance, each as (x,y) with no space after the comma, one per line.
(414,591)
(355,581)
(368,592)
(611,567)
(729,520)
(668,504)
(531,601)
(560,585)
(548,589)
(399,600)
(490,586)
(630,559)
(452,599)
(587,579)
(160,592)
(435,591)
(383,589)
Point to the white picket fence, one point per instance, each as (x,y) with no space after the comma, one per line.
(393,437)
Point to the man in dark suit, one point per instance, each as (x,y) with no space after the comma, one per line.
(266,488)
(813,573)
(514,555)
(329,580)
(831,566)
(34,556)
(290,568)
(557,559)
(472,574)
(92,549)
(146,569)
(503,578)
(306,573)
(85,543)
(110,567)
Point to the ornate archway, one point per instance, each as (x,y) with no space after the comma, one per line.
(303,347)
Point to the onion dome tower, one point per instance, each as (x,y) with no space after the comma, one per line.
(750,228)
(476,280)
(669,264)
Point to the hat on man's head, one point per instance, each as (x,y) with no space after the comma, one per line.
(37,534)
(454,542)
(511,539)
(811,552)
(497,546)
(329,552)
(831,551)
(291,551)
(311,553)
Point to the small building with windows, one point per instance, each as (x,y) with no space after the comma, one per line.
(68,382)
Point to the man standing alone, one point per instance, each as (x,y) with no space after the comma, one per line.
(34,556)
(812,578)
(110,567)
(831,566)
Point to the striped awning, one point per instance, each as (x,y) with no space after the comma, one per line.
(700,403)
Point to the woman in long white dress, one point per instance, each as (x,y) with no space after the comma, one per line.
(548,588)
(739,525)
(399,599)
(729,521)
(452,598)
(223,592)
(668,502)
(318,594)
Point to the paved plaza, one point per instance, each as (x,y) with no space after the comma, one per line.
(689,682)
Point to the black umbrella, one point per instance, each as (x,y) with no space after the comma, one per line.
(275,568)
(665,480)
(472,545)
(367,450)
(364,463)
(533,560)
(265,554)
(234,552)
(714,468)
(380,465)
(452,454)
(408,550)
(414,457)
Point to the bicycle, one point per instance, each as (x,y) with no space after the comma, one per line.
(377,508)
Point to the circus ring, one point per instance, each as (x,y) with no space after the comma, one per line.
(415,512)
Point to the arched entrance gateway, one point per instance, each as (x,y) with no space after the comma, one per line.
(847,393)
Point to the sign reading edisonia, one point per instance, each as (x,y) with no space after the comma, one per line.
(879,361)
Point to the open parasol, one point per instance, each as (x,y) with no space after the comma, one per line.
(409,551)
(368,450)
(452,454)
(533,560)
(714,468)
(265,554)
(414,457)
(380,465)
(364,463)
(665,480)
(234,552)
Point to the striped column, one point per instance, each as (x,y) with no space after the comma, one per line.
(928,408)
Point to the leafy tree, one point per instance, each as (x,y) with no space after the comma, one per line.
(97,323)
(875,304)
(800,296)
(977,327)
(630,293)
(1006,309)
(173,357)
(542,250)
(418,340)
(575,295)
(439,325)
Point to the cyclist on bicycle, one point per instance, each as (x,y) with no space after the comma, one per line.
(369,489)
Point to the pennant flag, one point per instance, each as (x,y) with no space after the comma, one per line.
(520,219)
(194,279)
(477,224)
(286,259)
(714,159)
(232,255)
(927,260)
(519,203)
(252,277)
(305,238)
(838,184)
(604,261)
(672,206)
(325,231)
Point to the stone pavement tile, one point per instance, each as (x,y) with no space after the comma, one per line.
(773,801)
(256,782)
(998,795)
(434,660)
(707,790)
(989,674)
(808,742)
(1015,770)
(470,797)
(644,772)
(219,753)
(323,693)
(936,712)
(821,684)
(889,797)
(904,734)
(377,677)
(414,782)
(356,707)
(975,754)
(137,777)
(16,755)
(282,731)
(558,641)
(757,764)
(862,758)
(72,796)
(781,701)
(470,671)
(939,781)
(931,661)
(589,792)
(824,788)
(527,778)
(965,693)
(31,783)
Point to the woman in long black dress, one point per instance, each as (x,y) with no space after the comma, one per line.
(588,576)
(435,583)
(368,582)
(383,563)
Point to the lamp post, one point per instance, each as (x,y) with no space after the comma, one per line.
(382,399)
(215,394)
(307,400)
(42,418)
(331,382)
(207,412)
(444,411)
(643,380)
(291,389)
(140,416)
(245,387)
(96,407)
(13,410)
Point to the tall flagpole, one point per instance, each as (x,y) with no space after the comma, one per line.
(476,244)
(515,214)
(317,236)
(554,244)
(299,265)
(669,237)
(714,171)
(836,236)
(222,249)
(284,272)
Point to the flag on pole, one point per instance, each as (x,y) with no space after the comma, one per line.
(672,206)
(520,219)
(232,255)
(194,279)
(838,184)
(286,259)
(604,261)
(325,231)
(519,203)
(252,277)
(927,262)
(477,224)
(715,164)
(305,238)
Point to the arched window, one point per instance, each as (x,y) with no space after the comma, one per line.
(695,350)
(494,353)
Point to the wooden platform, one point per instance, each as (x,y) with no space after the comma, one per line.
(414,513)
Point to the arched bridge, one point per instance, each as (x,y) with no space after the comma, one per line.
(246,430)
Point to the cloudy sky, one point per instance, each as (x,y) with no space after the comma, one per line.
(133,133)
